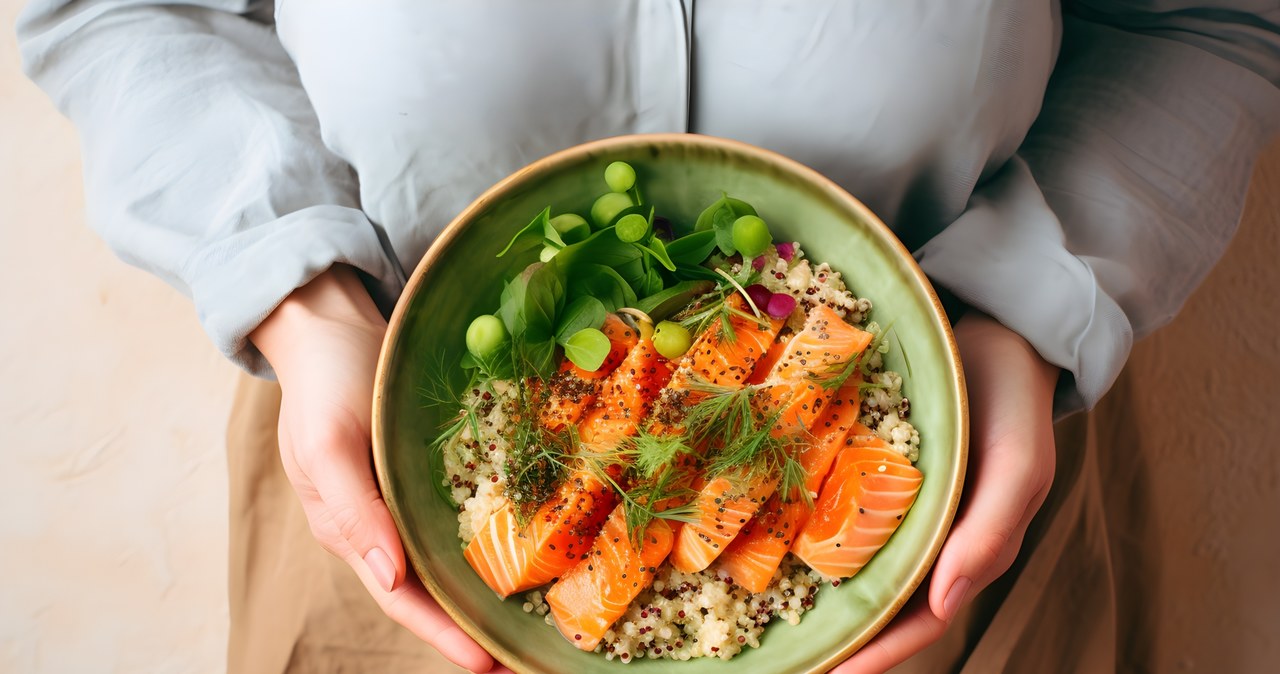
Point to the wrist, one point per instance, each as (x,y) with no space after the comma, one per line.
(989,348)
(334,300)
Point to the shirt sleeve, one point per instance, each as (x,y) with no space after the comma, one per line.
(203,161)
(1126,190)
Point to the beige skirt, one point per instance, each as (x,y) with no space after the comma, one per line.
(295,608)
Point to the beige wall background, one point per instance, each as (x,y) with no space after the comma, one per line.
(113,406)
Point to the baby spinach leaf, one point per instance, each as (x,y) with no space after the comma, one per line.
(584,312)
(511,304)
(662,304)
(544,297)
(689,272)
(532,233)
(652,282)
(658,251)
(539,357)
(692,249)
(602,283)
(587,348)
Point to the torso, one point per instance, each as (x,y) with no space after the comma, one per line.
(908,105)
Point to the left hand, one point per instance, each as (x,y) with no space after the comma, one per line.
(1011,464)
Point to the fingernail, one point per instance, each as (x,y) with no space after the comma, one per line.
(955,597)
(381,567)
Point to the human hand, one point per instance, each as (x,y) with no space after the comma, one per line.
(323,342)
(1011,464)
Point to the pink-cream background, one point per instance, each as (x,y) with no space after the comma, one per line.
(113,505)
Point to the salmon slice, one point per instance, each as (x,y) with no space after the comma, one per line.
(770,358)
(510,559)
(716,359)
(793,390)
(572,390)
(756,553)
(626,397)
(724,504)
(870,488)
(596,592)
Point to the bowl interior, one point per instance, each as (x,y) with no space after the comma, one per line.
(460,278)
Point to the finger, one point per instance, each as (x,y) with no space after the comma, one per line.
(353,506)
(910,631)
(413,607)
(1004,495)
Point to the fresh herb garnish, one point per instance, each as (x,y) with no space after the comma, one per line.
(719,218)
(538,460)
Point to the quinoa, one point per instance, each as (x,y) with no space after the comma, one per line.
(471,459)
(810,285)
(885,410)
(690,615)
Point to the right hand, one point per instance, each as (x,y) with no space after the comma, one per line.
(323,342)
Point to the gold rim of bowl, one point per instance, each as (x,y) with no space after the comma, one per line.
(569,156)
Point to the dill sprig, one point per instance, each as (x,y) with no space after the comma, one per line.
(651,454)
(721,414)
(652,488)
(705,310)
(644,503)
(538,459)
(838,374)
(793,481)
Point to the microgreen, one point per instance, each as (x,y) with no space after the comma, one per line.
(587,348)
(719,218)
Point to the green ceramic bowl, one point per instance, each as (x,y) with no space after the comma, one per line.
(681,173)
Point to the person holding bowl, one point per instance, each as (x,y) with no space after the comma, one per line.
(1066,176)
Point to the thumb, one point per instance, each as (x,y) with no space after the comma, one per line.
(1006,492)
(353,508)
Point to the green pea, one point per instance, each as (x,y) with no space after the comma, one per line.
(485,336)
(751,236)
(632,228)
(607,207)
(671,340)
(572,227)
(619,176)
(547,253)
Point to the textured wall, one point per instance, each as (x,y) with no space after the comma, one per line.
(112,414)
(112,407)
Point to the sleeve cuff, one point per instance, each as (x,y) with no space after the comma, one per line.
(1006,257)
(236,282)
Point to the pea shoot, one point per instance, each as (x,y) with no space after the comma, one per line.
(620,177)
(632,228)
(751,235)
(607,207)
(485,336)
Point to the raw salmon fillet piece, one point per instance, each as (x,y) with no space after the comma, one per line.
(794,392)
(510,559)
(869,491)
(596,592)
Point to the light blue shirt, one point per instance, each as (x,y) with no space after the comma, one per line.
(1073,175)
